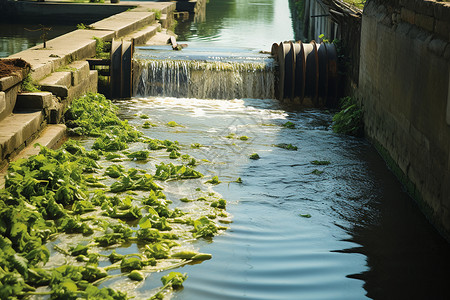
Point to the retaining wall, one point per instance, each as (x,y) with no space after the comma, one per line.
(404,89)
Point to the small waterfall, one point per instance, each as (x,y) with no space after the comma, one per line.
(203,79)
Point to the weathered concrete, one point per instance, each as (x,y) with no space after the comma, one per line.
(125,23)
(61,51)
(37,100)
(52,136)
(404,88)
(60,68)
(17,129)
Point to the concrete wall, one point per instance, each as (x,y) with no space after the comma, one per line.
(404,88)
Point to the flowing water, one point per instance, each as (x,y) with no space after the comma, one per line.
(343,230)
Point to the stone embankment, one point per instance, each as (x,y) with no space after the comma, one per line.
(63,74)
(404,89)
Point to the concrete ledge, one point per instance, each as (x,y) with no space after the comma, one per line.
(51,137)
(79,70)
(61,51)
(8,82)
(58,90)
(125,23)
(89,84)
(9,101)
(142,36)
(18,128)
(38,100)
(58,78)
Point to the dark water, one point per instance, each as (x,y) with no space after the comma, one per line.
(365,237)
(14,37)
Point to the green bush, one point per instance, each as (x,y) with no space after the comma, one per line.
(350,119)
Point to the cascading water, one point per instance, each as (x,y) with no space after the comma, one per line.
(210,78)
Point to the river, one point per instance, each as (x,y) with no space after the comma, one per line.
(343,230)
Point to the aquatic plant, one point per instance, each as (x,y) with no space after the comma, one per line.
(60,191)
(287,146)
(289,125)
(214,180)
(254,156)
(349,120)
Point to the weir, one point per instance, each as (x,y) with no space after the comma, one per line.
(204,79)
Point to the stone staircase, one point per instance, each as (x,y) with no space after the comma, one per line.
(63,75)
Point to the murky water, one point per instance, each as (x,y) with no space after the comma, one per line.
(346,230)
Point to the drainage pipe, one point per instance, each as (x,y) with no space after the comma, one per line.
(307,73)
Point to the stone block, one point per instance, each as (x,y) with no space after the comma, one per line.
(79,70)
(58,90)
(9,81)
(9,101)
(408,15)
(38,100)
(17,128)
(425,22)
(57,78)
(89,84)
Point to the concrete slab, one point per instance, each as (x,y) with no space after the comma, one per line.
(9,101)
(140,37)
(125,23)
(57,78)
(79,70)
(75,45)
(38,100)
(89,84)
(17,128)
(51,136)
(9,81)
(57,90)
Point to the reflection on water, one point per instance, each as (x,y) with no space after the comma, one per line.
(15,37)
(364,237)
(254,24)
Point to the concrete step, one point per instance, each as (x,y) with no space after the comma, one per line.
(61,51)
(17,130)
(52,136)
(140,37)
(125,23)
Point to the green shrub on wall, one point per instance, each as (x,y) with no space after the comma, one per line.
(350,119)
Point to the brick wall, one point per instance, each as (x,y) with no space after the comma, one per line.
(404,91)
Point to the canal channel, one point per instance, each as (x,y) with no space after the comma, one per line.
(343,230)
(325,221)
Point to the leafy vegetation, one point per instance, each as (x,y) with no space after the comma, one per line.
(60,192)
(350,119)
(28,85)
(289,125)
(102,48)
(287,146)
